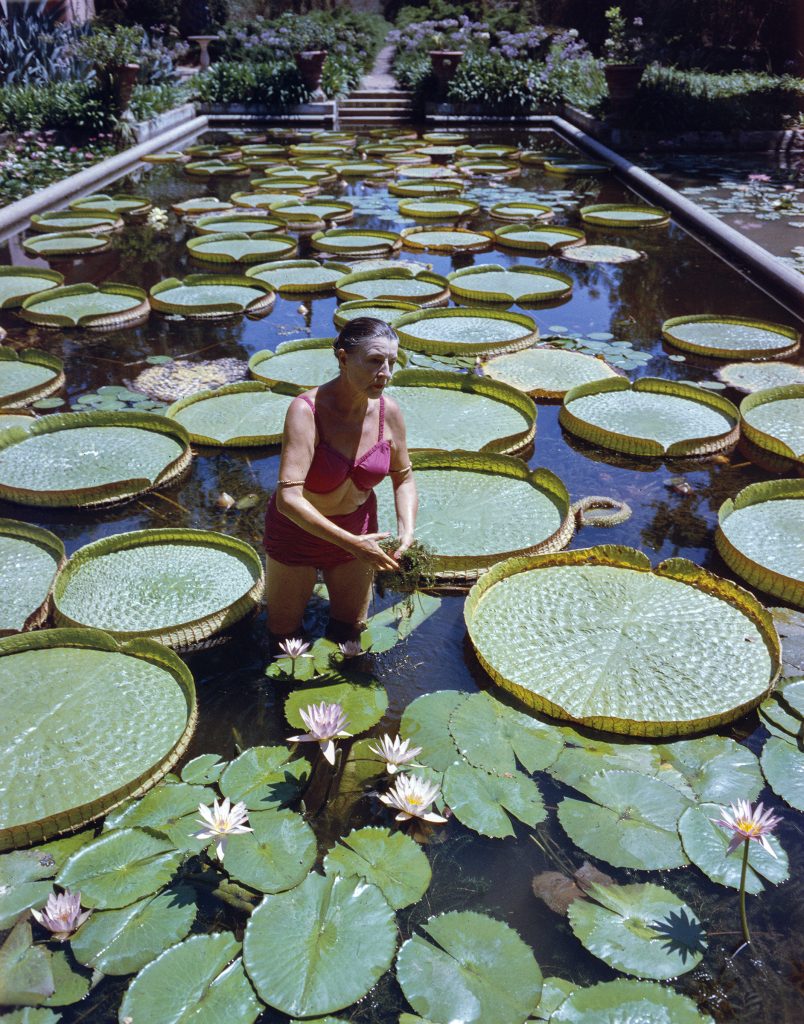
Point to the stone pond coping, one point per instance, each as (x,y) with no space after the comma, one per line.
(166,131)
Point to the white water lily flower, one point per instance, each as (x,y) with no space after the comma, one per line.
(294,648)
(61,915)
(395,753)
(222,820)
(411,796)
(326,723)
(351,648)
(747,824)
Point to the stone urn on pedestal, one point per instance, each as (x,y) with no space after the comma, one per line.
(622,81)
(311,65)
(445,64)
(124,78)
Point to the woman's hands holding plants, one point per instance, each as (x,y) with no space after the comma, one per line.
(366,548)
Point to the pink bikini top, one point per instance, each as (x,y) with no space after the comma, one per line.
(330,468)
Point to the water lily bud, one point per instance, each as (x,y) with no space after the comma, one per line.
(303,309)
(224,501)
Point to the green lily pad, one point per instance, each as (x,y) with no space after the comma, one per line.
(521,211)
(199,976)
(347,240)
(446,239)
(306,363)
(773,421)
(751,377)
(321,928)
(465,331)
(26,973)
(728,337)
(490,282)
(120,868)
(421,288)
(177,586)
(85,305)
(706,843)
(276,856)
(537,239)
(297,277)
(237,247)
(425,722)
(600,254)
(494,737)
(389,310)
(421,189)
(31,1015)
(363,703)
(632,823)
(664,674)
(212,295)
(236,415)
(264,778)
(625,1002)
(203,770)
(437,207)
(76,221)
(123,941)
(783,767)
(547,372)
(63,244)
(618,215)
(28,376)
(717,768)
(215,169)
(642,930)
(161,808)
(475,969)
(200,205)
(17,283)
(121,203)
(480,799)
(30,557)
(390,860)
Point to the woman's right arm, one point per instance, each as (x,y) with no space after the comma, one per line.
(298,448)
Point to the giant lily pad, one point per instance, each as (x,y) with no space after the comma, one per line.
(276,856)
(731,337)
(537,239)
(297,277)
(124,940)
(70,220)
(127,206)
(312,214)
(523,285)
(306,363)
(234,247)
(237,415)
(773,427)
(90,458)
(175,585)
(390,860)
(389,310)
(423,288)
(751,377)
(201,205)
(446,239)
(626,1002)
(567,166)
(265,200)
(449,332)
(429,173)
(236,222)
(216,169)
(650,418)
(474,969)
(665,673)
(338,934)
(64,244)
(437,207)
(212,295)
(706,845)
(199,976)
(17,283)
(425,189)
(616,215)
(547,372)
(601,254)
(27,375)
(514,511)
(639,929)
(75,766)
(348,241)
(760,535)
(445,410)
(30,557)
(86,305)
(631,823)
(521,211)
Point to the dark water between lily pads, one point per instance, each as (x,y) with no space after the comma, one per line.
(674,514)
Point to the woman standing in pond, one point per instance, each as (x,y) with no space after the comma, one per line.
(340,440)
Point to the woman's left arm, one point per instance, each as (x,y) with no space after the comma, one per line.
(406,498)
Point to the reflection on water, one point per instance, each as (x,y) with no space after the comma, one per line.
(674,506)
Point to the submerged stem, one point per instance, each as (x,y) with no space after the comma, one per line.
(743,918)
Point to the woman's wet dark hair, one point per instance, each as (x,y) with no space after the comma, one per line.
(363,328)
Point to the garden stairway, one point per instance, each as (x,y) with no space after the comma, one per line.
(378,100)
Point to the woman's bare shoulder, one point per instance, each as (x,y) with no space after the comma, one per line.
(393,413)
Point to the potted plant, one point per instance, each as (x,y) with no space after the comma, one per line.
(114,54)
(444,63)
(623,66)
(310,43)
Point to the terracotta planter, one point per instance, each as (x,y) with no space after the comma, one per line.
(622,81)
(311,64)
(445,64)
(124,78)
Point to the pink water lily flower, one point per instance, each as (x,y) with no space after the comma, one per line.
(747,824)
(325,724)
(395,753)
(294,648)
(411,796)
(62,915)
(351,648)
(220,821)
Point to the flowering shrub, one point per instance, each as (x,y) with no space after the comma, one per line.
(624,43)
(276,83)
(495,81)
(35,161)
(570,73)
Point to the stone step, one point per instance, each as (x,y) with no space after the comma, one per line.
(377,122)
(379,105)
(384,93)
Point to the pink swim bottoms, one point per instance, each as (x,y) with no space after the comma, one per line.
(291,544)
